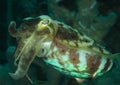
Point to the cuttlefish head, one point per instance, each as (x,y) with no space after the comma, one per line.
(31,35)
(43,25)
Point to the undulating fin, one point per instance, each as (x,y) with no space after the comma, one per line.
(115,56)
(116,59)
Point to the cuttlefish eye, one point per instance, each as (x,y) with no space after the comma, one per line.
(42,52)
(45,22)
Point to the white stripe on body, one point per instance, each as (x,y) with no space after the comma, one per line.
(101,67)
(83,61)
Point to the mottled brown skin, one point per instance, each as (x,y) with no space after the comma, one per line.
(93,63)
(74,57)
(69,33)
(62,48)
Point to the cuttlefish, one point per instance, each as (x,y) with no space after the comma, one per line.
(64,48)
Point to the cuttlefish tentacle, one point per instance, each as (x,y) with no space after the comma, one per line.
(31,38)
(12,29)
(26,56)
(26,51)
(15,33)
(22,66)
(18,51)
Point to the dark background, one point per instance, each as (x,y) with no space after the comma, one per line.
(17,10)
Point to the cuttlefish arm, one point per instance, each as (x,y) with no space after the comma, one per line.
(12,29)
(31,35)
(25,53)
(26,50)
(16,34)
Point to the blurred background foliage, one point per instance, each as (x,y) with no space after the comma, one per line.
(98,18)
